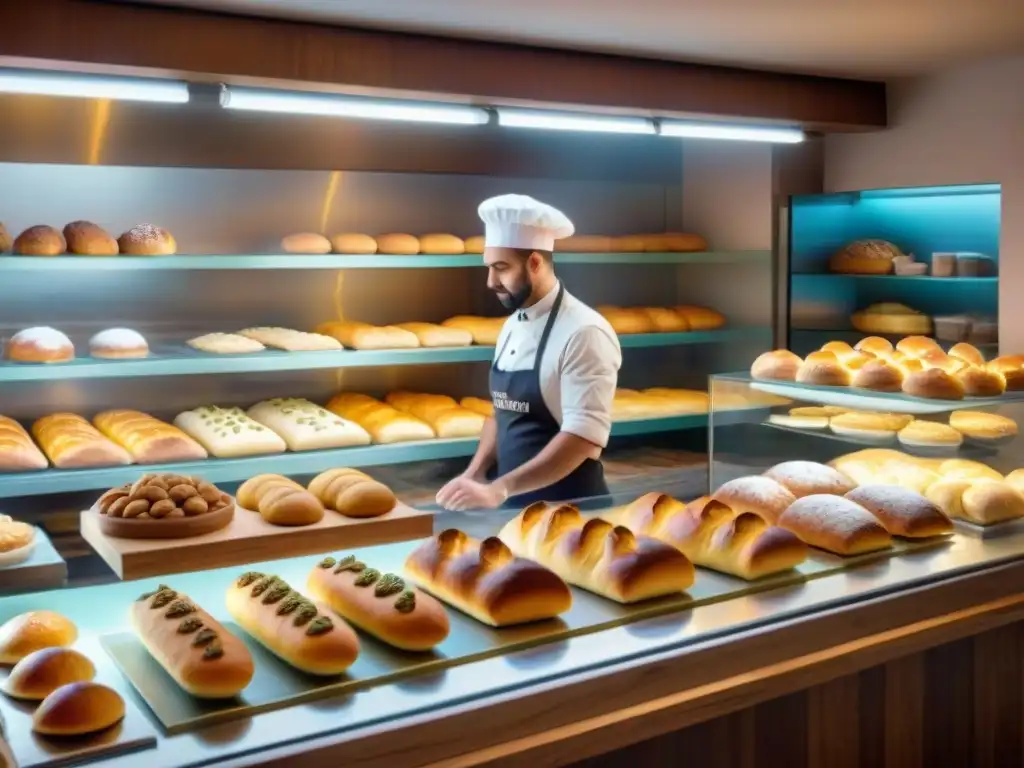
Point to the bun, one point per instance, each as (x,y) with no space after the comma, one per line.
(117,343)
(17,541)
(891,318)
(901,511)
(39,345)
(933,383)
(485,330)
(874,345)
(627,321)
(398,244)
(77,709)
(42,672)
(883,466)
(228,433)
(352,493)
(583,244)
(779,364)
(981,382)
(164,506)
(759,495)
(879,376)
(280,501)
(475,244)
(306,426)
(40,240)
(918,346)
(382,605)
(701,318)
(805,478)
(353,243)
(979,425)
(823,369)
(968,353)
(486,581)
(87,239)
(17,451)
(71,442)
(962,469)
(385,424)
(33,631)
(1012,369)
(442,244)
(225,344)
(147,240)
(290,626)
(365,336)
(835,524)
(864,257)
(809,417)
(712,536)
(5,239)
(291,340)
(306,242)
(478,405)
(447,418)
(869,424)
(979,501)
(148,440)
(433,335)
(606,559)
(929,434)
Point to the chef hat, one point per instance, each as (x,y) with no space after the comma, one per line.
(519,221)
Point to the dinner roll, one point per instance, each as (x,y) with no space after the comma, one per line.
(147,240)
(823,369)
(42,672)
(933,383)
(968,353)
(779,364)
(87,239)
(353,243)
(398,244)
(306,242)
(77,709)
(916,346)
(32,631)
(442,244)
(1012,369)
(878,375)
(981,382)
(40,240)
(876,345)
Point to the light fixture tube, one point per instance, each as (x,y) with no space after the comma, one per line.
(688,130)
(92,86)
(295,103)
(560,121)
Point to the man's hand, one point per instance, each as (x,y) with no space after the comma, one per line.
(464,493)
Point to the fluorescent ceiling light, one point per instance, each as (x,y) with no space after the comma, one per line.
(294,103)
(555,121)
(731,132)
(92,86)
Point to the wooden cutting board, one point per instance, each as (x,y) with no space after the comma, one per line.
(250,539)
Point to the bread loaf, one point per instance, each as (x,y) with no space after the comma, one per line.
(442,244)
(77,709)
(353,243)
(148,440)
(147,240)
(291,626)
(290,340)
(478,405)
(33,631)
(712,536)
(384,423)
(701,318)
(280,501)
(758,495)
(805,478)
(865,257)
(603,558)
(365,336)
(71,442)
(666,320)
(779,365)
(352,493)
(228,433)
(42,672)
(381,604)
(225,344)
(979,501)
(584,244)
(87,239)
(433,335)
(446,417)
(203,658)
(306,242)
(40,240)
(627,321)
(901,511)
(675,242)
(398,244)
(39,345)
(835,524)
(486,581)
(17,451)
(484,330)
(306,426)
(891,318)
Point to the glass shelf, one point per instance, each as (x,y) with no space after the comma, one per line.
(899,278)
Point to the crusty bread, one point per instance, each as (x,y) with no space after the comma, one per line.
(759,495)
(594,554)
(383,605)
(446,417)
(835,524)
(42,672)
(71,442)
(290,626)
(901,511)
(864,257)
(779,364)
(441,244)
(192,647)
(87,239)
(352,493)
(306,242)
(228,433)
(629,243)
(665,320)
(280,501)
(484,330)
(17,451)
(979,501)
(33,631)
(398,244)
(77,709)
(805,478)
(353,243)
(385,423)
(486,581)
(365,336)
(147,240)
(434,335)
(148,440)
(712,536)
(40,240)
(675,242)
(701,318)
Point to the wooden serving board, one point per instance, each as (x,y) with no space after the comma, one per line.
(250,539)
(44,569)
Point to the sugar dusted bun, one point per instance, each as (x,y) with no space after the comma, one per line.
(869,424)
(77,709)
(804,478)
(760,495)
(835,524)
(876,345)
(1012,369)
(40,240)
(901,511)
(933,383)
(353,243)
(808,417)
(968,353)
(823,369)
(115,343)
(42,672)
(930,434)
(147,240)
(981,382)
(87,239)
(34,631)
(917,346)
(39,345)
(981,426)
(779,364)
(879,376)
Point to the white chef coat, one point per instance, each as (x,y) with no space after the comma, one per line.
(581,364)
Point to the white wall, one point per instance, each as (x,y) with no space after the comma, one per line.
(962,126)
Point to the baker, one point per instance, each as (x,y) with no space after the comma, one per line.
(553,377)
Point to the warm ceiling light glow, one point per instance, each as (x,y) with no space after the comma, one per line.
(294,103)
(730,132)
(555,121)
(92,86)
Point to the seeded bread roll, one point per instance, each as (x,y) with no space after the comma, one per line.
(835,524)
(147,240)
(758,495)
(87,239)
(901,511)
(77,709)
(40,240)
(805,478)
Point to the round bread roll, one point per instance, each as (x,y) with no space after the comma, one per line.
(968,353)
(901,511)
(42,672)
(33,631)
(981,382)
(77,709)
(39,345)
(147,240)
(807,417)
(779,365)
(441,244)
(983,502)
(475,244)
(118,343)
(6,241)
(87,239)
(823,369)
(350,242)
(362,497)
(1012,369)
(878,375)
(936,358)
(933,383)
(854,362)
(839,348)
(918,346)
(762,496)
(398,244)
(929,434)
(869,424)
(876,345)
(865,257)
(891,318)
(983,427)
(40,240)
(306,242)
(804,478)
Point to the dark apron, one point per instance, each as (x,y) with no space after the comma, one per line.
(525,426)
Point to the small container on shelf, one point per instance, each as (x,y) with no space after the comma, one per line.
(943,264)
(984,330)
(974,265)
(952,327)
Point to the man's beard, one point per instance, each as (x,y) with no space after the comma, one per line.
(514,301)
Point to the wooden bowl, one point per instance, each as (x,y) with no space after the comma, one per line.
(173,528)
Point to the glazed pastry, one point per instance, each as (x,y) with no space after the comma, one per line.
(352,493)
(42,672)
(33,631)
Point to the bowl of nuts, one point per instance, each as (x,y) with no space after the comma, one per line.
(164,506)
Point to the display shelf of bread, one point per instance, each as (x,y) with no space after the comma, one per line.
(84,238)
(678,319)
